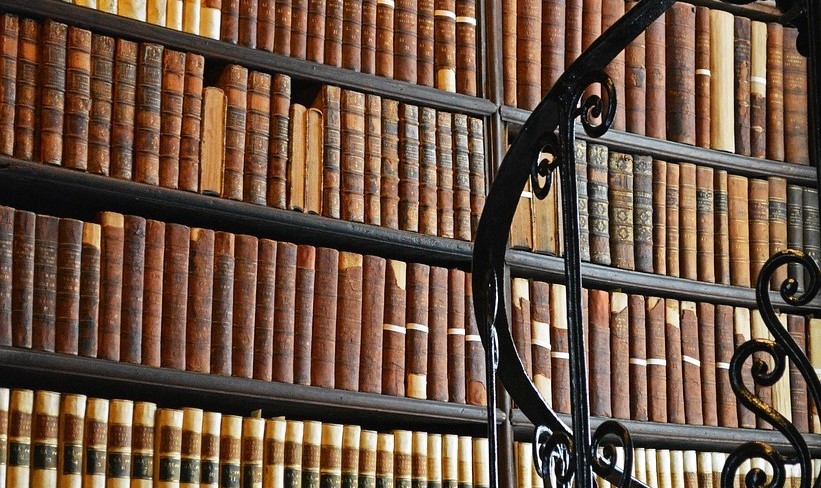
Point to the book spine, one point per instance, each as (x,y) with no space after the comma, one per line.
(77,99)
(131,314)
(352,35)
(389,189)
(559,355)
(597,203)
(124,109)
(758,89)
(427,171)
(741,34)
(643,213)
(620,355)
(284,312)
(520,323)
(22,282)
(189,164)
(655,60)
(409,167)
(277,36)
(599,357)
(691,364)
(688,223)
(152,292)
(247,23)
(142,444)
(425,42)
(67,300)
(474,353)
(148,120)
(373,159)
(384,39)
(705,224)
(352,183)
(9,39)
(173,14)
(44,299)
(273,457)
(234,81)
(245,303)
(800,417)
(419,459)
(775,92)
(323,340)
(101,106)
(384,460)
(445,44)
(637,333)
(212,142)
(656,360)
(44,433)
(796,136)
(331,156)
(19,407)
(476,170)
(416,324)
(676,412)
(405,40)
(70,441)
(742,334)
(6,271)
(27,100)
(200,297)
(461,178)
(292,454)
(314,157)
(95,432)
(175,296)
(311,452)
(209,449)
(778,227)
(582,196)
(118,449)
(333,32)
(465,461)
(279,141)
(681,103)
(510,81)
(725,400)
(437,367)
(721,88)
(707,357)
(444,176)
(368,36)
(795,227)
(759,239)
(812,235)
(111,282)
(403,458)
(223,303)
(168,447)
(299,28)
(528,41)
(466,50)
(349,320)
(191,447)
(722,228)
(703,77)
(330,455)
(315,50)
(191,10)
(540,339)
(373,314)
(394,330)
(88,312)
(253,432)
(53,90)
(304,312)
(456,336)
(229,21)
(620,196)
(672,207)
(368,441)
(257,138)
(552,21)
(265,308)
(739,230)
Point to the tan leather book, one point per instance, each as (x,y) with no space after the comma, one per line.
(9,30)
(655,59)
(620,355)
(77,99)
(175,296)
(278,151)
(212,141)
(67,303)
(44,438)
(191,447)
(297,157)
(100,112)
(273,457)
(133,9)
(123,109)
(352,164)
(466,47)
(703,76)
(118,450)
(52,72)
(131,315)
(348,321)
(253,432)
(775,91)
(427,172)
(739,230)
(95,432)
(222,308)
(111,282)
(200,301)
(437,367)
(142,444)
(234,82)
(416,325)
(70,440)
(265,308)
(190,131)
(230,451)
(152,292)
(721,88)
(303,313)
(314,162)
(171,117)
(255,175)
(148,119)
(409,167)
(394,329)
(246,257)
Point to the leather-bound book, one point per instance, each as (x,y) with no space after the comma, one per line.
(691,364)
(427,171)
(703,76)
(171,116)
(147,127)
(253,432)
(425,43)
(466,74)
(656,360)
(725,399)
(620,355)
(722,227)
(812,234)
(450,460)
(444,177)
(153,292)
(373,313)
(409,167)
(775,92)
(189,166)
(707,357)
(264,28)
(273,457)
(759,226)
(656,97)
(311,450)
(365,472)
(200,298)
(131,315)
(264,313)
(133,9)
(758,331)
(100,111)
(393,352)
(613,10)
(333,32)
(173,14)
(77,99)
(314,161)
(373,159)
(813,354)
(279,141)
(688,227)
(597,204)
(465,460)
(222,306)
(348,321)
(352,34)
(6,273)
(191,10)
(323,340)
(258,122)
(659,186)
(636,305)
(474,353)
(705,224)
(174,296)
(777,203)
(437,367)
(476,170)
(416,324)
(620,197)
(509,71)
(296,157)
(142,444)
(796,126)
(88,312)
(352,183)
(118,449)
(559,355)
(739,230)
(795,229)
(191,447)
(540,331)
(27,99)
(285,312)
(330,455)
(22,280)
(758,89)
(67,303)
(800,417)
(292,454)
(572,31)
(528,39)
(403,458)
(721,89)
(368,37)
(522,227)
(434,460)
(168,447)
(111,282)
(278,35)
(675,374)
(123,109)
(20,407)
(599,359)
(384,460)
(331,164)
(553,35)
(419,459)
(705,470)
(384,39)
(444,25)
(389,189)
(672,206)
(303,312)
(635,83)
(9,37)
(741,34)
(95,433)
(299,28)
(44,433)
(70,440)
(315,49)
(229,21)
(234,82)
(742,334)
(456,336)
(52,76)
(520,322)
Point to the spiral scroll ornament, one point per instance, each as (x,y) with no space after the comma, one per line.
(554,457)
(592,107)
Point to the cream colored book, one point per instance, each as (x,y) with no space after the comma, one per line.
(210,449)
(314,145)
(481,463)
(651,464)
(133,9)
(705,470)
(450,460)
(351,436)
(384,460)
(108,6)
(191,449)
(523,452)
(273,467)
(173,14)
(253,433)
(465,458)
(368,441)
(142,445)
(86,3)
(434,460)
(311,448)
(5,395)
(664,466)
(296,158)
(230,450)
(722,98)
(118,450)
(330,468)
(95,434)
(167,448)
(210,19)
(212,142)
(419,456)
(814,354)
(191,16)
(156,11)
(402,456)
(44,431)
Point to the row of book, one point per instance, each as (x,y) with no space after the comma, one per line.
(696,76)
(163,294)
(657,359)
(676,219)
(139,111)
(669,468)
(432,43)
(70,439)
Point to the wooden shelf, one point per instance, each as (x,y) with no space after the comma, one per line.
(676,152)
(24,368)
(656,435)
(224,52)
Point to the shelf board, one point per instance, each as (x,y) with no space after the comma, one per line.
(52,189)
(114,25)
(676,152)
(24,368)
(657,435)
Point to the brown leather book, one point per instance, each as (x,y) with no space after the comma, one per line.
(553,34)
(742,334)
(777,196)
(331,157)
(474,352)
(444,176)
(707,356)
(427,172)
(373,313)
(22,281)
(676,412)
(522,227)
(352,34)
(200,301)
(461,178)
(352,183)
(191,448)
(229,22)
(796,126)
(123,109)
(266,25)
(620,198)
(638,357)
(389,183)
(416,324)
(174,296)
(722,228)
(333,32)
(27,99)
(620,355)
(44,434)
(277,182)
(691,364)
(6,282)
(722,134)
(314,148)
(409,167)
(20,406)
(798,330)
(9,30)
(739,230)
(599,358)
(189,166)
(466,74)
(437,367)
(100,111)
(572,31)
(520,322)
(476,170)
(812,237)
(613,10)
(705,224)
(528,39)
(285,312)
(147,132)
(688,227)
(67,302)
(348,321)
(258,127)
(384,39)
(559,355)
(795,229)
(394,329)
(540,339)
(277,36)
(253,432)
(703,76)
(741,34)
(656,360)
(656,62)
(52,77)
(70,440)
(510,81)
(635,81)
(264,313)
(315,50)
(77,99)
(456,336)
(405,41)
(368,37)
(444,25)
(131,315)
(222,306)
(643,212)
(758,89)
(659,216)
(759,226)
(672,206)
(323,339)
(299,28)
(775,91)
(425,39)
(153,292)
(234,82)
(111,282)
(303,312)
(373,159)
(171,116)
(597,204)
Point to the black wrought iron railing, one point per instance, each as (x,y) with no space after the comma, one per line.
(566,456)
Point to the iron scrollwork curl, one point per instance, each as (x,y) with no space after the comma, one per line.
(554,450)
(610,436)
(593,107)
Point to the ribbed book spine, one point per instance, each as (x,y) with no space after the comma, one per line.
(152,292)
(88,311)
(476,170)
(389,189)
(6,283)
(304,312)
(278,34)
(456,335)
(368,442)
(257,138)
(559,355)
(373,159)
(721,89)
(741,34)
(540,338)
(265,308)
(131,327)
(725,399)
(223,303)
(638,357)
(409,167)
(691,364)
(461,178)
(416,324)
(331,156)
(777,226)
(253,432)
(292,454)
(323,340)
(67,299)
(759,226)
(70,441)
(53,86)
(44,438)
(234,81)
(384,460)
(681,57)
(247,22)
(9,37)
(20,407)
(333,32)
(509,65)
(758,89)
(273,457)
(466,47)
(285,312)
(656,360)
(796,126)
(427,171)
(742,334)
(44,299)
(444,25)
(739,230)
(775,92)
(315,49)
(437,367)
(659,217)
(230,451)
(27,99)
(279,141)
(200,297)
(189,164)
(722,227)
(393,352)
(812,235)
(352,182)
(598,205)
(349,321)
(705,224)
(351,435)
(474,359)
(311,451)
(148,117)
(528,53)
(22,281)
(703,77)
(330,456)
(655,60)
(798,330)
(142,444)
(520,323)
(643,213)
(95,442)
(101,108)
(675,378)
(77,99)
(111,282)
(620,197)
(673,224)
(191,448)
(688,233)
(245,299)
(707,358)
(425,43)
(209,449)
(599,353)
(620,355)
(175,296)
(118,450)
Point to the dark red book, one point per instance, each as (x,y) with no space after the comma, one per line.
(174,296)
(200,301)
(255,175)
(540,338)
(111,283)
(637,310)
(131,325)
(691,364)
(675,374)
(77,99)
(620,355)
(474,352)
(438,335)
(725,398)
(189,165)
(323,339)
(264,313)
(393,346)
(44,299)
(352,34)
(27,99)
(100,115)
(67,310)
(655,62)
(656,360)
(349,321)
(247,24)
(52,79)
(285,312)
(148,115)
(9,30)
(6,273)
(373,313)
(333,32)
(89,290)
(222,306)
(707,356)
(303,312)
(456,336)
(416,324)
(599,348)
(153,292)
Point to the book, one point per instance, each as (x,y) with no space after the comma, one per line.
(481,467)
(297,157)
(703,77)
(434,459)
(10,31)
(330,455)
(688,228)
(525,33)
(222,306)
(812,235)
(437,360)
(285,312)
(330,103)
(742,334)
(111,281)
(349,475)
(476,170)
(6,282)
(299,28)
(796,126)
(348,321)
(95,442)
(474,353)
(611,11)
(405,41)
(323,338)
(659,216)
(620,198)
(101,109)
(759,226)
(234,82)
(559,355)
(676,412)
(368,36)
(444,24)
(385,38)
(44,433)
(416,325)
(142,444)
(724,334)
(758,331)
(797,327)
(373,159)
(333,32)
(540,330)
(258,127)
(775,92)
(466,47)
(778,227)
(303,312)
(118,449)
(450,460)
(599,353)
(409,167)
(131,312)
(813,354)
(522,226)
(739,230)
(573,31)
(77,99)
(456,336)
(553,53)
(88,310)
(265,308)
(20,408)
(281,28)
(425,11)
(795,228)
(655,60)
(245,298)
(200,297)
(705,224)
(638,394)
(368,442)
(124,109)
(67,290)
(273,457)
(229,21)
(705,313)
(520,322)
(656,359)
(247,23)
(311,451)
(722,228)
(209,449)
(279,146)
(721,87)
(314,184)
(191,447)
(352,164)
(389,186)
(27,97)
(673,224)
(292,453)
(403,458)
(70,440)
(758,89)
(643,213)
(384,460)
(44,299)
(620,355)
(681,67)
(598,204)
(133,9)
(148,114)
(153,292)
(266,25)
(230,451)
(191,16)
(173,14)
(427,172)
(742,37)
(22,282)
(52,76)
(212,141)
(190,136)
(253,431)
(175,295)
(419,459)
(691,363)
(465,461)
(394,329)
